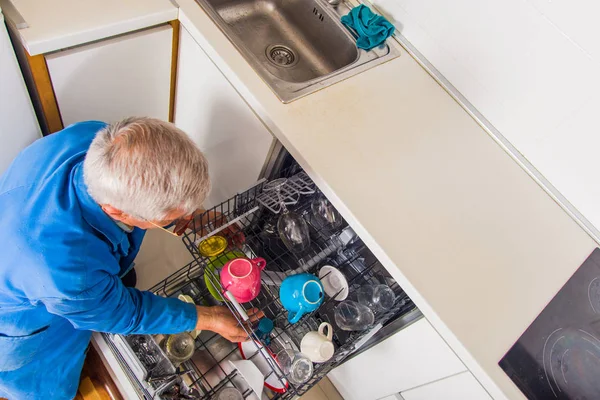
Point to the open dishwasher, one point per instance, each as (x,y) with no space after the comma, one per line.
(249,223)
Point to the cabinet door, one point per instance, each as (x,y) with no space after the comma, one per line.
(129,75)
(463,386)
(396,396)
(225,128)
(412,357)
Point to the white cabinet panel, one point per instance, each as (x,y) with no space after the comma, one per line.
(18,124)
(161,255)
(396,396)
(412,357)
(463,386)
(129,75)
(209,109)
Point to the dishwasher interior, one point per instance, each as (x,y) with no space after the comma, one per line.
(249,223)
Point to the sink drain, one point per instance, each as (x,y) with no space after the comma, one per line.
(281,56)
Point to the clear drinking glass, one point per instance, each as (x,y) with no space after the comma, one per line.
(325,213)
(293,229)
(297,367)
(352,316)
(378,298)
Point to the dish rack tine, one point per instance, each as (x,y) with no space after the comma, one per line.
(226,225)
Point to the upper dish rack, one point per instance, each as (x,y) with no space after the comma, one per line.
(299,184)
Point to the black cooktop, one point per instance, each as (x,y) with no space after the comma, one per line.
(558,356)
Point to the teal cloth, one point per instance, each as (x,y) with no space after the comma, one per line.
(372,29)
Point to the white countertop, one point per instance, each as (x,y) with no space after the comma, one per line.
(477,244)
(58,24)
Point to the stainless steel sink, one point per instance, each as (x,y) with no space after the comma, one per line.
(296,46)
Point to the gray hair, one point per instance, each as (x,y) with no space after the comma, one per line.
(146,168)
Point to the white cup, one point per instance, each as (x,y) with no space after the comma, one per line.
(318,346)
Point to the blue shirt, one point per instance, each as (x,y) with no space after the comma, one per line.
(60,261)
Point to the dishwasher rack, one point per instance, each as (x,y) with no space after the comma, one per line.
(248,221)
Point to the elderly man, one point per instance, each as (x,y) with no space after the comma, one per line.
(74,209)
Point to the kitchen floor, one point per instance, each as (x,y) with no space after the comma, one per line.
(95,382)
(323,391)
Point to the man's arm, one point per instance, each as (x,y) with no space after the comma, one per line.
(108,306)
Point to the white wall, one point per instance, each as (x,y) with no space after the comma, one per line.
(18,124)
(531,68)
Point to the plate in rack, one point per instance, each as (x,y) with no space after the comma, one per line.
(249,351)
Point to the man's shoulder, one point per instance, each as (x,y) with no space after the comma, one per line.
(73,138)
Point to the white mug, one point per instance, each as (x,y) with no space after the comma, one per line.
(318,346)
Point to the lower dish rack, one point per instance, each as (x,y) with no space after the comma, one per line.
(248,221)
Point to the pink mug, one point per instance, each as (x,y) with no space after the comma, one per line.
(241,277)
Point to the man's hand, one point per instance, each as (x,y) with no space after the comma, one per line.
(219,319)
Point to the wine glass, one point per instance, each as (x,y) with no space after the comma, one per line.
(293,229)
(325,213)
(179,347)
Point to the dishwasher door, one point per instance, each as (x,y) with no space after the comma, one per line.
(248,221)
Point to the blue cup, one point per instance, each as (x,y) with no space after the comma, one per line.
(300,294)
(264,329)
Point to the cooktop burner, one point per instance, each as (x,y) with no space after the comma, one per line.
(558,356)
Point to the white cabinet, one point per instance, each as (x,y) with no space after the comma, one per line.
(129,75)
(225,128)
(412,357)
(18,124)
(463,386)
(234,140)
(396,396)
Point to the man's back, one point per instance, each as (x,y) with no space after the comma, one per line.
(60,264)
(36,223)
(36,220)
